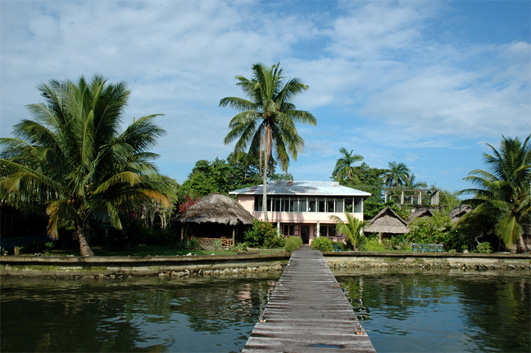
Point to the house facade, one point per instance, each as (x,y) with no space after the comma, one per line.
(303,208)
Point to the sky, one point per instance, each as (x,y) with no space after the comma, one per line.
(423,82)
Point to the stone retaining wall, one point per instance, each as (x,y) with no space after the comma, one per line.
(246,264)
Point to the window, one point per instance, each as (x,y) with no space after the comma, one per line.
(329,205)
(358,207)
(258,202)
(285,205)
(321,205)
(276,205)
(303,205)
(288,229)
(312,205)
(349,202)
(339,206)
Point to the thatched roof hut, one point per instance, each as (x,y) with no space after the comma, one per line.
(419,213)
(387,222)
(457,212)
(214,216)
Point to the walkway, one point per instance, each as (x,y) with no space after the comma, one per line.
(308,312)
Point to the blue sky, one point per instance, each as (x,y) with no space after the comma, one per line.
(426,83)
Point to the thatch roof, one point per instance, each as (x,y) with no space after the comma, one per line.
(419,213)
(216,208)
(387,221)
(458,212)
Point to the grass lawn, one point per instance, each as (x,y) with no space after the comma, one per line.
(158,250)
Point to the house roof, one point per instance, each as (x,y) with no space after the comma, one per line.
(307,188)
(419,213)
(216,208)
(387,221)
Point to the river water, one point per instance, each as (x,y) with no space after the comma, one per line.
(425,312)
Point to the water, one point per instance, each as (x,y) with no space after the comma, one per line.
(462,312)
(440,312)
(192,315)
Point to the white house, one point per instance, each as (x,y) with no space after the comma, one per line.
(303,208)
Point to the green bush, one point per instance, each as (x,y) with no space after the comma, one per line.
(484,248)
(372,244)
(339,244)
(430,230)
(239,247)
(188,244)
(322,244)
(292,244)
(263,235)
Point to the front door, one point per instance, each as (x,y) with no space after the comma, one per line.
(305,234)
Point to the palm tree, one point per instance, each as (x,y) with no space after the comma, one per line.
(412,183)
(344,165)
(396,175)
(73,159)
(266,122)
(506,190)
(352,229)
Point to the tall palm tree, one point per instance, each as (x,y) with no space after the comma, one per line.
(396,175)
(506,190)
(344,165)
(412,182)
(266,122)
(352,229)
(73,158)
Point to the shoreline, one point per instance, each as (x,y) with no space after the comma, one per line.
(99,267)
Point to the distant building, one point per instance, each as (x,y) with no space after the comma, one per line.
(387,223)
(303,208)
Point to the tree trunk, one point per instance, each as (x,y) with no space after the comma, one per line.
(521,246)
(266,167)
(84,247)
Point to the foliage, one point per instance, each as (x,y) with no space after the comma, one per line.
(322,244)
(399,243)
(397,174)
(73,158)
(292,244)
(188,244)
(263,235)
(239,247)
(449,200)
(352,229)
(340,245)
(484,248)
(371,244)
(412,183)
(429,230)
(506,189)
(470,228)
(344,165)
(222,176)
(266,122)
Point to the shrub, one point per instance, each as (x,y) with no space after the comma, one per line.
(339,245)
(292,244)
(372,244)
(484,248)
(239,247)
(429,230)
(263,235)
(322,244)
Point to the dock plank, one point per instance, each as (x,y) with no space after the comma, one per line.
(308,312)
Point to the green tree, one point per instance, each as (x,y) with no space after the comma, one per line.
(73,159)
(352,229)
(449,200)
(397,174)
(412,183)
(266,122)
(344,168)
(506,189)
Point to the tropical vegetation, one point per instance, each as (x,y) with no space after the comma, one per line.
(344,169)
(352,229)
(73,158)
(505,189)
(265,125)
(396,175)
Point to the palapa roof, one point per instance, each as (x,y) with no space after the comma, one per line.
(419,213)
(458,212)
(216,208)
(387,221)
(302,188)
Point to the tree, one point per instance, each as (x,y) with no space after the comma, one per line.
(266,122)
(412,183)
(397,174)
(352,229)
(344,165)
(506,189)
(73,159)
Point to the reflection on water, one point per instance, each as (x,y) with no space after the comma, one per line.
(401,312)
(149,315)
(443,312)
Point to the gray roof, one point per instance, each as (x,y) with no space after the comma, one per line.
(216,208)
(308,188)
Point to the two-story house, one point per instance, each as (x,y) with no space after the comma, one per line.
(303,208)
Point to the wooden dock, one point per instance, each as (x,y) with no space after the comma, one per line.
(308,312)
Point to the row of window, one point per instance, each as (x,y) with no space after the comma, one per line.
(311,204)
(325,230)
